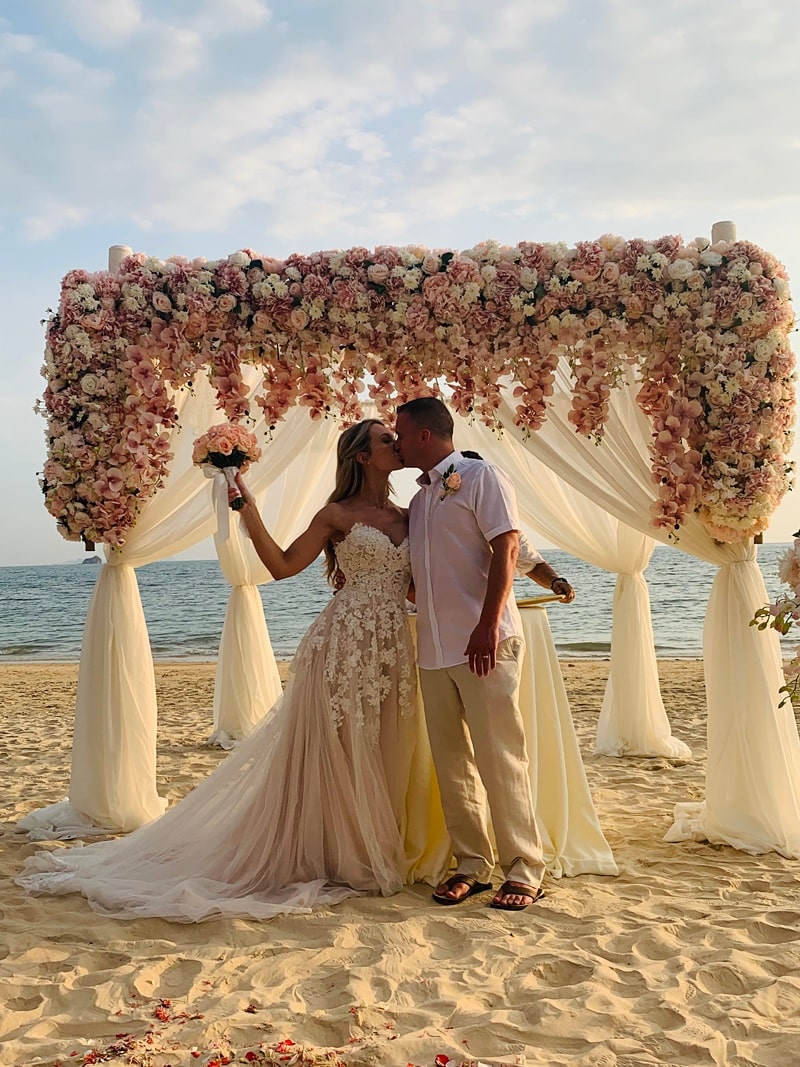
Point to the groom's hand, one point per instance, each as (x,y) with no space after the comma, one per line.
(482,649)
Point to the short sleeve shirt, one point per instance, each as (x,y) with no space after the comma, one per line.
(449,533)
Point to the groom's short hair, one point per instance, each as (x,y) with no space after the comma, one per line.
(429,413)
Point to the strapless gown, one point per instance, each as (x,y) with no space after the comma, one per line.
(310,808)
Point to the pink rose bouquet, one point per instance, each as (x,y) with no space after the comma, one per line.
(228,448)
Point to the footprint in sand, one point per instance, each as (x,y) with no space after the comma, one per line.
(563,973)
(24,1003)
(765,933)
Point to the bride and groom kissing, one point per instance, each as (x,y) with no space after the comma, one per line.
(311,807)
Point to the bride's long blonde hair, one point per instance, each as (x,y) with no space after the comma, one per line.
(349,474)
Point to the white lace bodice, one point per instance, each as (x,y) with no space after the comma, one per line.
(373,564)
(363,635)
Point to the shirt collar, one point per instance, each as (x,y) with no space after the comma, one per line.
(437,472)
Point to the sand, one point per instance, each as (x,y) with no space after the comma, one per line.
(690,957)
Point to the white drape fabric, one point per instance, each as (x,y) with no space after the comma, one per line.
(113,783)
(633,720)
(572,839)
(753,776)
(742,664)
(247,682)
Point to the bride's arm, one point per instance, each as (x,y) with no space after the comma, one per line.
(280,562)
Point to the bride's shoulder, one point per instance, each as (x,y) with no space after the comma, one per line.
(333,517)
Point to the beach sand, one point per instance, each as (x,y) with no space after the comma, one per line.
(690,957)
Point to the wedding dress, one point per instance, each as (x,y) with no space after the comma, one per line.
(310,808)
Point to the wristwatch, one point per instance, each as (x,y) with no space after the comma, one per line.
(558,580)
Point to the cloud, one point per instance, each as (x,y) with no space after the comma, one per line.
(442,115)
(104,24)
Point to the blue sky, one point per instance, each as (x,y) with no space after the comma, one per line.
(191,127)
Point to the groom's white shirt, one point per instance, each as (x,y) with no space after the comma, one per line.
(449,534)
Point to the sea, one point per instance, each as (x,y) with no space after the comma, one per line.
(42,609)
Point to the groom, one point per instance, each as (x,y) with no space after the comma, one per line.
(463,530)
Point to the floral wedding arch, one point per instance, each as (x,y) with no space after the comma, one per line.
(654,378)
(701,330)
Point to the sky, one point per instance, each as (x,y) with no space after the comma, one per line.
(195,128)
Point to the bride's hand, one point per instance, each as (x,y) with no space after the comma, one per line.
(246,494)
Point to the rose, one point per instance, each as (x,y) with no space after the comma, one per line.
(298,319)
(595,319)
(226,302)
(378,273)
(431,263)
(161,302)
(451,481)
(710,258)
(89,384)
(680,269)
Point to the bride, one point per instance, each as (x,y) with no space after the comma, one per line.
(310,808)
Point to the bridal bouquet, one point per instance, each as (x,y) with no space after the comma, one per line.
(228,448)
(784,612)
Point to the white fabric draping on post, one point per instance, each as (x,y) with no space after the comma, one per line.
(753,774)
(247,682)
(116,688)
(633,720)
(572,839)
(743,673)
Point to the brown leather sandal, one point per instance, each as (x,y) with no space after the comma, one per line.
(518,889)
(462,879)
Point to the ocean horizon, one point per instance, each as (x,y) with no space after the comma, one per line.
(43,608)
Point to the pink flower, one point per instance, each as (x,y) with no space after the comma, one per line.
(161,302)
(594,319)
(378,273)
(451,482)
(298,319)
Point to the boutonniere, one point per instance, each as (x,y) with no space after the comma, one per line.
(451,481)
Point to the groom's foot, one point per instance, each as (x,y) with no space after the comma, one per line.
(457,888)
(515,896)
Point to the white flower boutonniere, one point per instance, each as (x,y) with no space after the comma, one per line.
(451,481)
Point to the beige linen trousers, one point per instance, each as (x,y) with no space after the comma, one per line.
(478,746)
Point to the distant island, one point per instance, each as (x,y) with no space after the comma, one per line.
(92,559)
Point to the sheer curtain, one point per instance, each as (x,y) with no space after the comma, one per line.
(247,682)
(633,720)
(753,777)
(113,779)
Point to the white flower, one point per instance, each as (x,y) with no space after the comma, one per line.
(710,258)
(781,287)
(680,269)
(738,272)
(239,259)
(89,384)
(412,279)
